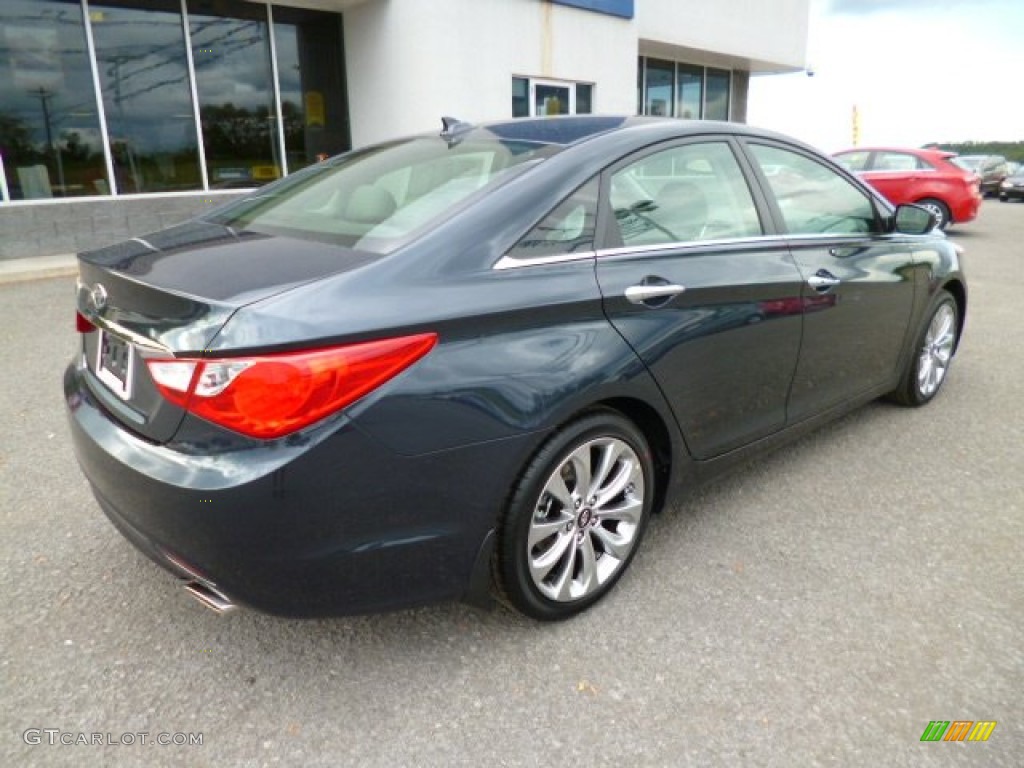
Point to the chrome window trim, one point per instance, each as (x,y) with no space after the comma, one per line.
(511,262)
(773,240)
(831,237)
(690,245)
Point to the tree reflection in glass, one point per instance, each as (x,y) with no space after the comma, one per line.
(143,73)
(234,82)
(49,126)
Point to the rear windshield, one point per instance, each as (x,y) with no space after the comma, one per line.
(378,198)
(967,162)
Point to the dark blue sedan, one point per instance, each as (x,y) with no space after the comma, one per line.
(476,362)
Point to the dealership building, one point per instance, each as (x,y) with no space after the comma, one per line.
(119,117)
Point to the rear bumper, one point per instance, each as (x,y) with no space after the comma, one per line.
(337,527)
(966,209)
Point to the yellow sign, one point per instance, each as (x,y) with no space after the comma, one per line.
(315,109)
(266,172)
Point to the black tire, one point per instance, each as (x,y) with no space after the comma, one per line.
(932,354)
(591,535)
(943,218)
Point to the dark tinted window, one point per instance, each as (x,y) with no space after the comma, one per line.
(660,81)
(309,68)
(691,91)
(520,97)
(716,99)
(584,98)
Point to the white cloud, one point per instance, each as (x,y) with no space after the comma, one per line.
(915,77)
(875,6)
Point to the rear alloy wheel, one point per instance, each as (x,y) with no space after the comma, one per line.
(576,517)
(939,209)
(932,354)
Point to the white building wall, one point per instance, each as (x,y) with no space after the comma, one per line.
(763,35)
(411,61)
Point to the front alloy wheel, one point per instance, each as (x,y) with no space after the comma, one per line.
(932,354)
(577,517)
(936,350)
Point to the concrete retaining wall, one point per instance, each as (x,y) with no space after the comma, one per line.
(77,225)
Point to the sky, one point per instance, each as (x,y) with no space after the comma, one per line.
(918,71)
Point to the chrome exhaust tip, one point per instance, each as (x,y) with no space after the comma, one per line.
(200,587)
(216,601)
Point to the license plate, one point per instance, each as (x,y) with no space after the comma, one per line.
(114,362)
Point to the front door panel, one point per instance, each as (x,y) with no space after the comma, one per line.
(711,305)
(724,350)
(853,330)
(858,281)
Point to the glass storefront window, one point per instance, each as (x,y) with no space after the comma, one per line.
(660,85)
(691,87)
(520,97)
(584,98)
(231,54)
(716,100)
(312,86)
(550,99)
(143,73)
(684,90)
(640,86)
(50,136)
(542,98)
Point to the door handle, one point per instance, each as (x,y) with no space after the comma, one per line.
(822,280)
(641,294)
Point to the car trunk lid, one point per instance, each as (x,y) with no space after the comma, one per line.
(168,294)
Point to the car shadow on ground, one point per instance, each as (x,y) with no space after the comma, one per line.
(684,524)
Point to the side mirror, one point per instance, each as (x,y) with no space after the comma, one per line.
(914,220)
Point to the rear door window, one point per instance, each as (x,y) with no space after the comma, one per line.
(687,193)
(853,161)
(899,161)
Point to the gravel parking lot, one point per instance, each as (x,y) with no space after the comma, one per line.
(818,607)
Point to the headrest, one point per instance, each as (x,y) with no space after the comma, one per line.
(370,204)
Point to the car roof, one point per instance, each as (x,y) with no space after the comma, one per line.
(567,130)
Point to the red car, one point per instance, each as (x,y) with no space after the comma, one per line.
(926,177)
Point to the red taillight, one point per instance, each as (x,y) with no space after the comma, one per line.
(82,324)
(271,396)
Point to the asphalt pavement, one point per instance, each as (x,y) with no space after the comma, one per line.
(820,606)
